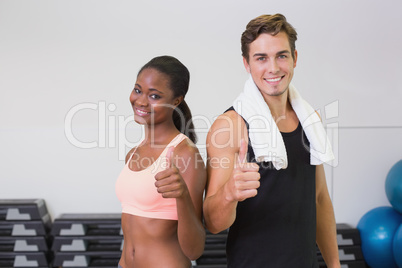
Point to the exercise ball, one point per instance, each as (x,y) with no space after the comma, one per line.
(377,229)
(393,186)
(397,246)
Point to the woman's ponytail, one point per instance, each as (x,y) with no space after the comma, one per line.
(183,121)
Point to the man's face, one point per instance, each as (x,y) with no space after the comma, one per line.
(271,63)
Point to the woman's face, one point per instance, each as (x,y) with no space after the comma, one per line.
(152,99)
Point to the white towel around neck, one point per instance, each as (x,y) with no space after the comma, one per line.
(266,140)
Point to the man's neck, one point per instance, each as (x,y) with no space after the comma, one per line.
(282,112)
(278,105)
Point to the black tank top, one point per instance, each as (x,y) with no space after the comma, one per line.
(277,228)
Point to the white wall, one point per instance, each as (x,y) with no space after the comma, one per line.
(58,55)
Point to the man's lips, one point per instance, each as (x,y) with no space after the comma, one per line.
(274,79)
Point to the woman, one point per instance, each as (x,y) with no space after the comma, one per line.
(161,186)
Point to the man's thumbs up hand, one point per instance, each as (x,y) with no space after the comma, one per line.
(245,179)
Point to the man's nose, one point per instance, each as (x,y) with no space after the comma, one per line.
(273,66)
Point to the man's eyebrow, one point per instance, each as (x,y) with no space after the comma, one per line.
(260,55)
(265,54)
(283,52)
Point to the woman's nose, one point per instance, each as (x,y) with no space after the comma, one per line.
(142,100)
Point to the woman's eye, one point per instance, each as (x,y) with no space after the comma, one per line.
(136,90)
(155,97)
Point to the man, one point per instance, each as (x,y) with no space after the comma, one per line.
(268,192)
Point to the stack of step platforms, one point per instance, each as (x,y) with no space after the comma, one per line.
(214,255)
(349,247)
(87,240)
(348,238)
(24,233)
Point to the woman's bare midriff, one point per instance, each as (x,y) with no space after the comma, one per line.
(151,243)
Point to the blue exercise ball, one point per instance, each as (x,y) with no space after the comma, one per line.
(377,229)
(397,246)
(393,186)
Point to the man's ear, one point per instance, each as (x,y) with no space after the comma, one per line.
(246,65)
(295,59)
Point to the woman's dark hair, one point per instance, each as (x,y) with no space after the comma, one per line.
(179,79)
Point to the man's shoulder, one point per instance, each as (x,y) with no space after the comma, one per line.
(228,129)
(229,117)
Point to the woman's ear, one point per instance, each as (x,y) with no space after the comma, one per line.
(178,100)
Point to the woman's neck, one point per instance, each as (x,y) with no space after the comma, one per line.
(160,133)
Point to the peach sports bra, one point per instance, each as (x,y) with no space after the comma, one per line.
(137,192)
